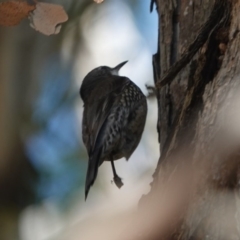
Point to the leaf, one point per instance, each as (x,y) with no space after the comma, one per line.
(12,12)
(46,18)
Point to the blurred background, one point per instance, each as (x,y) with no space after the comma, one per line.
(42,158)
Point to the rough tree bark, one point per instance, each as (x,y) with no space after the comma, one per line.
(197,109)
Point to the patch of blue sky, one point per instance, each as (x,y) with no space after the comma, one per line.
(146,22)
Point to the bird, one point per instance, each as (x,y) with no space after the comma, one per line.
(114,116)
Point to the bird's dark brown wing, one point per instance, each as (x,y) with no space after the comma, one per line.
(98,106)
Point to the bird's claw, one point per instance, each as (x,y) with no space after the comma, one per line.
(118,181)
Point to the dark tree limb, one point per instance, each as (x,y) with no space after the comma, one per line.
(220,14)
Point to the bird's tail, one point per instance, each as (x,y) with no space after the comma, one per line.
(92,171)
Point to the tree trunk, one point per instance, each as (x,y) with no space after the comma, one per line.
(198,121)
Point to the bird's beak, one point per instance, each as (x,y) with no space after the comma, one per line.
(118,67)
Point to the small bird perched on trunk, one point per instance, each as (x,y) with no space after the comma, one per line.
(114,116)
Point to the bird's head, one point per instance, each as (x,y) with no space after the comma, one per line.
(99,73)
(105,71)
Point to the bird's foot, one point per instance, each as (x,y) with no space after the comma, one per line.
(118,181)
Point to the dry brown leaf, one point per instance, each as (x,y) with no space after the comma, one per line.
(46,18)
(98,1)
(12,12)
